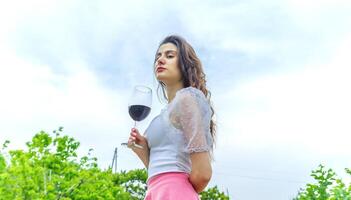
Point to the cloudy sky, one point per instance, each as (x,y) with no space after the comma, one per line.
(278,72)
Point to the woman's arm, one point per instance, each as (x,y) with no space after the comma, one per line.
(144,153)
(201,170)
(191,112)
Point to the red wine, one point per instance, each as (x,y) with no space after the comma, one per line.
(139,112)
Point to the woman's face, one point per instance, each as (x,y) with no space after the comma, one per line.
(167,64)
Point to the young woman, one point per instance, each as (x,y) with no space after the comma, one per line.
(177,145)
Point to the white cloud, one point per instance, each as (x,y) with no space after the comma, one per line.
(33,98)
(288,121)
(315,7)
(308,108)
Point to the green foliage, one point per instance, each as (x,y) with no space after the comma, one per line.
(50,169)
(2,158)
(213,193)
(133,181)
(2,163)
(328,186)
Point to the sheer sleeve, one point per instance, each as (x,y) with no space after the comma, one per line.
(191,113)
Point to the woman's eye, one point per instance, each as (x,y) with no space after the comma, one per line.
(170,56)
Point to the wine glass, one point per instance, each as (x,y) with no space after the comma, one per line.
(139,106)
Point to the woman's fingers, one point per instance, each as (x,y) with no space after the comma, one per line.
(131,141)
(135,133)
(135,139)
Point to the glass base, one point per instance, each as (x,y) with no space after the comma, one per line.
(133,145)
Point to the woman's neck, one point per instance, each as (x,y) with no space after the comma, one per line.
(171,90)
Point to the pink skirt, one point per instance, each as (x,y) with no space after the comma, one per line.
(170,186)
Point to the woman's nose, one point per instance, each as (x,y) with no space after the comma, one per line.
(161,60)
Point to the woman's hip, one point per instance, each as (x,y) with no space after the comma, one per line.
(169,186)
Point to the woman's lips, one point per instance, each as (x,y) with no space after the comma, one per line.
(160,69)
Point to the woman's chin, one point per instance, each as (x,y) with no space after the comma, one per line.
(161,77)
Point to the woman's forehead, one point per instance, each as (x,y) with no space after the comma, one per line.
(167,47)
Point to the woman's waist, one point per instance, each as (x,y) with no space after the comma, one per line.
(165,156)
(162,165)
(167,177)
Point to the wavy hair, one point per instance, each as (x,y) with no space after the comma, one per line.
(191,70)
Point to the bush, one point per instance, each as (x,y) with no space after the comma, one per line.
(50,169)
(328,186)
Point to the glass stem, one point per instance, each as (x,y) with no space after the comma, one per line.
(134,144)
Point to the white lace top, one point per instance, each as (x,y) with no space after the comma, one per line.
(182,127)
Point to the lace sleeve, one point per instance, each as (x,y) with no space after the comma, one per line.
(191,114)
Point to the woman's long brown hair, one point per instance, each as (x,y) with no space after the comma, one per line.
(191,70)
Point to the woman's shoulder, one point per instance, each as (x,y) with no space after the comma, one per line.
(190,97)
(190,92)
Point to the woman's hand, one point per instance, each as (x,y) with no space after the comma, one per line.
(142,153)
(136,138)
